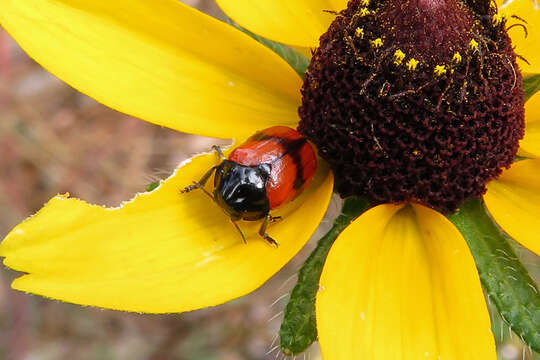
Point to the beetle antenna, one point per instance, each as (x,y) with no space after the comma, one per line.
(200,184)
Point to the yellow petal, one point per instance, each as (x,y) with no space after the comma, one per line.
(526,46)
(529,146)
(401,284)
(514,202)
(306,51)
(161,252)
(294,22)
(161,61)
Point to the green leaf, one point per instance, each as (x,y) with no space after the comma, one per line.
(506,281)
(298,61)
(531,84)
(299,330)
(153,185)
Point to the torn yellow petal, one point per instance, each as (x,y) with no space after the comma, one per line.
(400,284)
(161,252)
(527,45)
(293,22)
(161,61)
(514,202)
(529,146)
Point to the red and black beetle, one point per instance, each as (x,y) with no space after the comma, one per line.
(268,170)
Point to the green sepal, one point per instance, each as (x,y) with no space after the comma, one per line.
(298,330)
(505,280)
(298,61)
(531,84)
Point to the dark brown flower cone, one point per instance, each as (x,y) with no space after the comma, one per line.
(415,100)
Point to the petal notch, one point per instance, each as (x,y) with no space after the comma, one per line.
(161,252)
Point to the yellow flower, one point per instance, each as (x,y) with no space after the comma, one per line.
(390,280)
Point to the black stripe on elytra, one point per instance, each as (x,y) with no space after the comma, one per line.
(290,147)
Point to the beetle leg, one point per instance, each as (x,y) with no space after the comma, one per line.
(274,219)
(200,184)
(240,231)
(219,152)
(208,193)
(262,231)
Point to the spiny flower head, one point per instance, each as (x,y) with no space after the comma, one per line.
(426,106)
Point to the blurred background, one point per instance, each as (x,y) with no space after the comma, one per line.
(53,140)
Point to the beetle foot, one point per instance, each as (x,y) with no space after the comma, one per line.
(270,241)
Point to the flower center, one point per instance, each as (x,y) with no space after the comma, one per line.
(415,100)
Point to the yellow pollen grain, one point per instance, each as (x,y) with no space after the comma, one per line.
(359,33)
(365,2)
(398,57)
(457,58)
(473,44)
(497,19)
(377,43)
(439,70)
(412,64)
(364,12)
